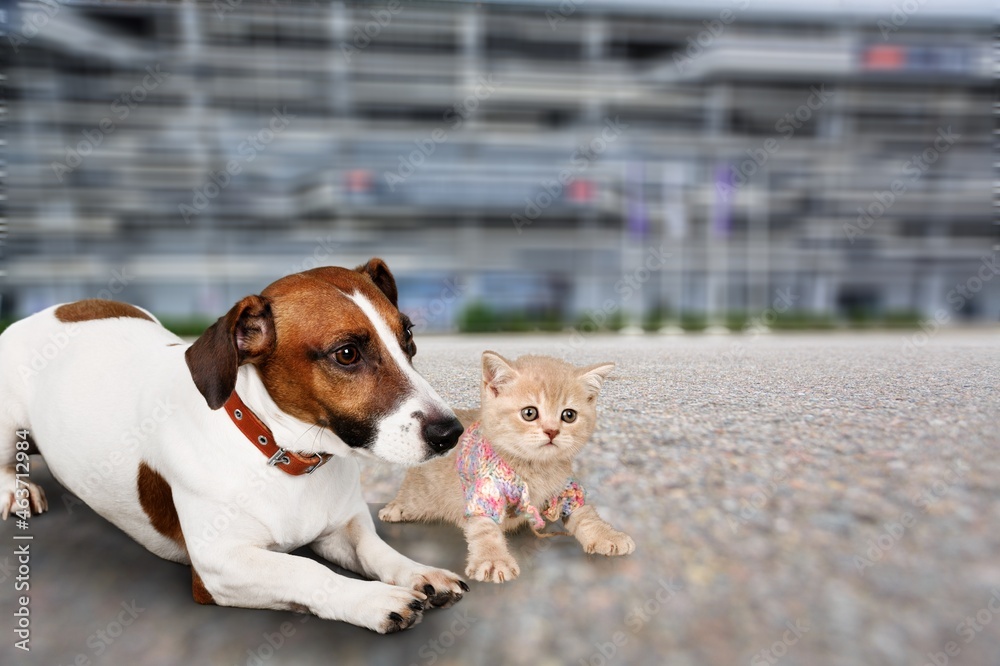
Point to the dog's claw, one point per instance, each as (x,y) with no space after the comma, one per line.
(442,588)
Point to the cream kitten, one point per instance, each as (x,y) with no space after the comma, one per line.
(515,465)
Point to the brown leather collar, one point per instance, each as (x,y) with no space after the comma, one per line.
(261,437)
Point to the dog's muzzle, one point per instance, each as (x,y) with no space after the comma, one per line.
(441,434)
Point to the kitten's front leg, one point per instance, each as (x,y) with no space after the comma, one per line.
(597,536)
(489,558)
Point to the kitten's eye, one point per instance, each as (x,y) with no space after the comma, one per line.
(529,413)
(569,415)
(347,355)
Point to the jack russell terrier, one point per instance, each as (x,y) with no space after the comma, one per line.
(231,452)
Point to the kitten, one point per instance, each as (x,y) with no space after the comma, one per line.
(515,465)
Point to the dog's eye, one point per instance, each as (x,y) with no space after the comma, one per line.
(529,413)
(347,355)
(408,333)
(568,415)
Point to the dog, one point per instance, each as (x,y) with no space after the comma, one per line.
(229,453)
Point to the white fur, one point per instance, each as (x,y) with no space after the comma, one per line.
(119,393)
(399,437)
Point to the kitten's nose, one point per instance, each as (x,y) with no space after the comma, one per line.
(551,433)
(442,434)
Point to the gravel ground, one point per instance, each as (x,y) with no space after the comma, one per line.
(802,500)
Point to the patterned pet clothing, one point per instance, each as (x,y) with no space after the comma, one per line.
(495,490)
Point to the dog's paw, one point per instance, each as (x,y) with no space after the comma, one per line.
(493,570)
(395,609)
(443,588)
(610,542)
(25,497)
(391,513)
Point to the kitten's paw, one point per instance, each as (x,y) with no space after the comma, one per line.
(392,513)
(493,570)
(442,587)
(610,542)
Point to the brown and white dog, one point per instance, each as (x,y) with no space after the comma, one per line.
(213,454)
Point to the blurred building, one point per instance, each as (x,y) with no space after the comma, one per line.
(545,161)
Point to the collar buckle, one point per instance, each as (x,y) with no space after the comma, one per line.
(289,462)
(280,457)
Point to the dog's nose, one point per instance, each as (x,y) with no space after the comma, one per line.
(442,435)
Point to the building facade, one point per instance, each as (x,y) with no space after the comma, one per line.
(549,162)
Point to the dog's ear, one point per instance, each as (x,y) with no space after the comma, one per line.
(593,377)
(497,371)
(382,277)
(245,334)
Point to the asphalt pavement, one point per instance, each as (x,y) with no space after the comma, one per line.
(812,500)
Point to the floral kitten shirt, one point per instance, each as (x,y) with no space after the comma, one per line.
(495,490)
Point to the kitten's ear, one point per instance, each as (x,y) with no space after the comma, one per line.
(497,371)
(593,376)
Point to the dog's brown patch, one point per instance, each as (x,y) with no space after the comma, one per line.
(313,316)
(245,334)
(157,500)
(198,591)
(98,308)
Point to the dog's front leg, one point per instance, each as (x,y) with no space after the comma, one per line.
(359,548)
(596,535)
(489,558)
(250,577)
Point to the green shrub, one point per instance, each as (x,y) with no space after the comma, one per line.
(477,318)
